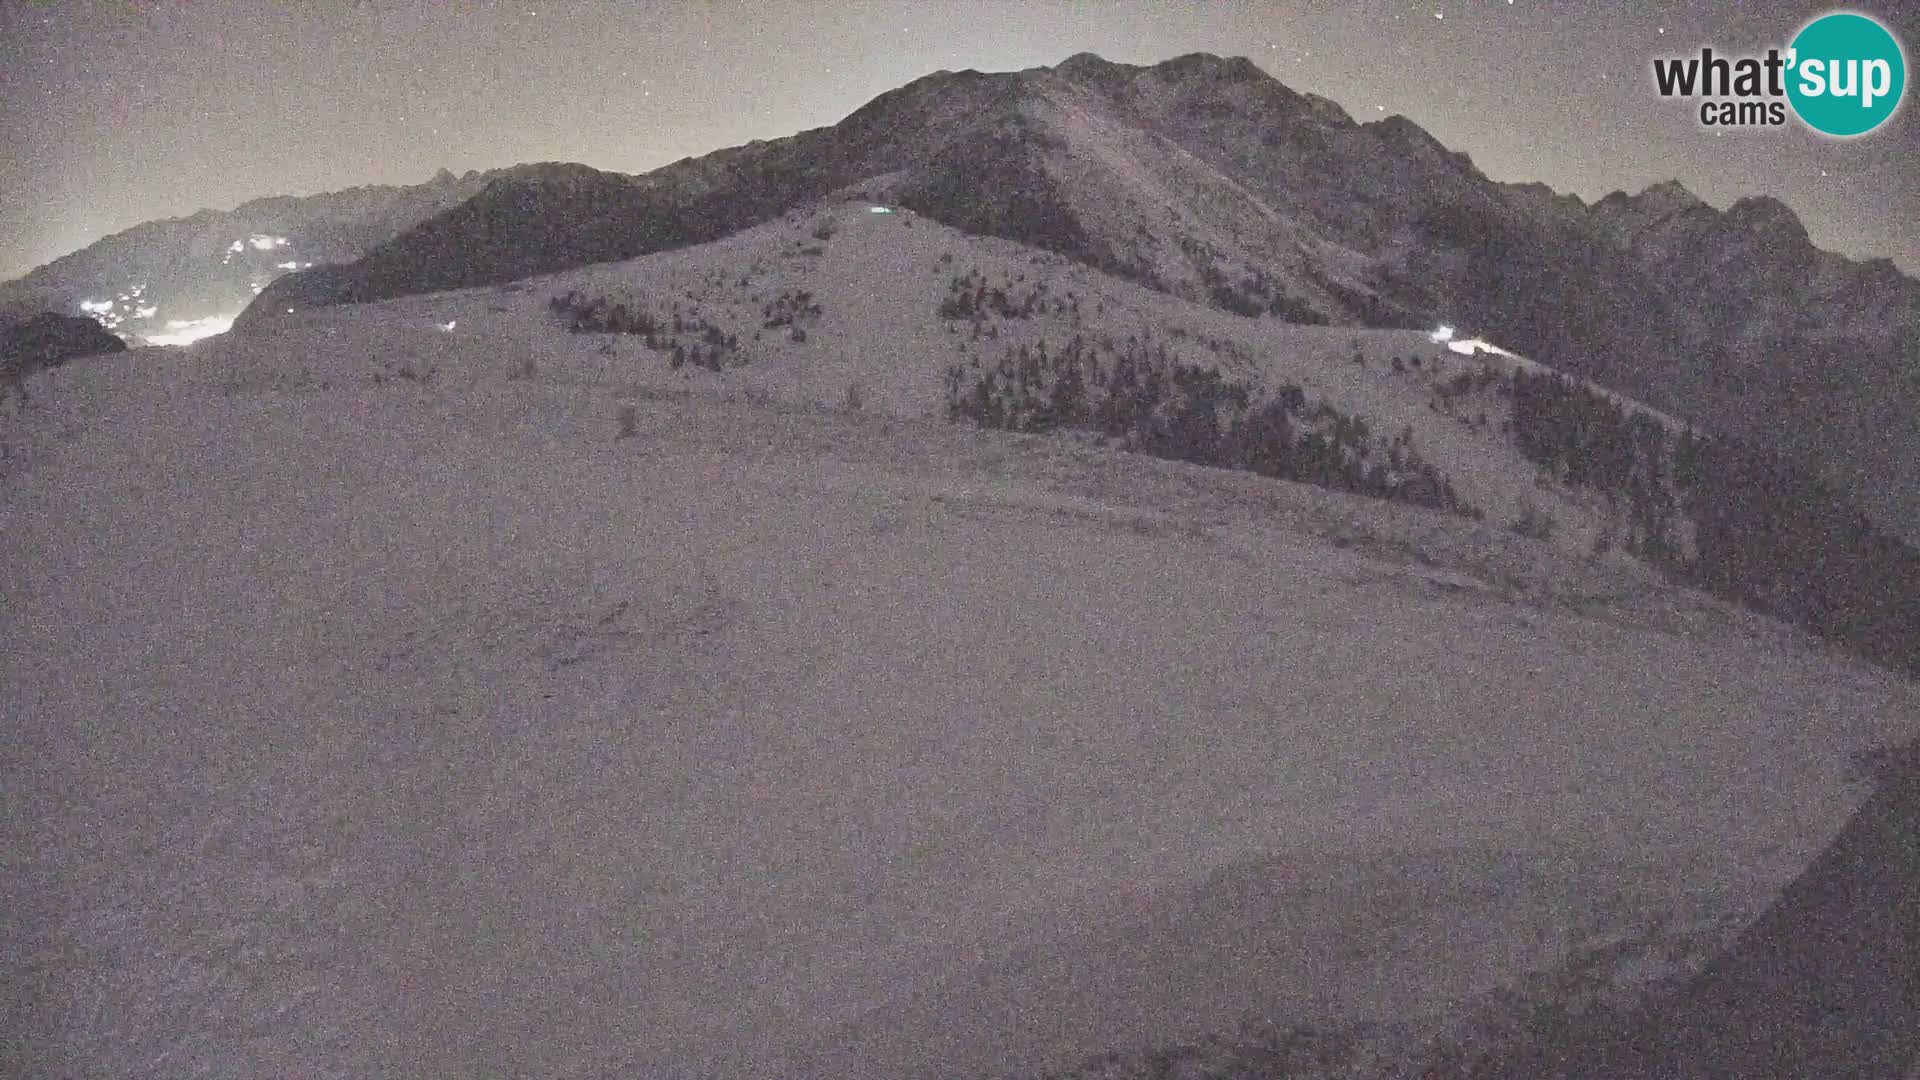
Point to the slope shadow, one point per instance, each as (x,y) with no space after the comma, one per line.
(1825,983)
(1340,952)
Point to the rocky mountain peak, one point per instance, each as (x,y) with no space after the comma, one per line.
(1207,67)
(1767,216)
(550,172)
(1403,131)
(1086,67)
(1414,142)
(1327,111)
(1660,208)
(1668,196)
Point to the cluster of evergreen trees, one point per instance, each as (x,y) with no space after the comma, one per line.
(969,297)
(1588,440)
(1474,380)
(789,308)
(1144,395)
(1766,533)
(1256,295)
(1135,268)
(1774,537)
(603,315)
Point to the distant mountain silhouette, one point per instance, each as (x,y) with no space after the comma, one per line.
(207,264)
(50,339)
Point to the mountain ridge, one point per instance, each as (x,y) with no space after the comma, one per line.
(202,265)
(1205,177)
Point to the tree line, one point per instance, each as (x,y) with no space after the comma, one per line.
(1144,395)
(1767,533)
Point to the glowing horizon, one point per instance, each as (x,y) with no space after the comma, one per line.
(188,331)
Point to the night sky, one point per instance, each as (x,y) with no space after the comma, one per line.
(118,111)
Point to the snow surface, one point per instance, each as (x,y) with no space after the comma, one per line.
(431,728)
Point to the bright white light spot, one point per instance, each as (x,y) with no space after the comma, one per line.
(188,331)
(1445,333)
(449,325)
(263,242)
(286,266)
(237,247)
(96,307)
(1469,346)
(878,210)
(146,312)
(256,290)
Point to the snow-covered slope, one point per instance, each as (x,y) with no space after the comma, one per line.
(835,303)
(878,281)
(419,688)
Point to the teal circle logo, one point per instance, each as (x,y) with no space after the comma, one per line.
(1846,74)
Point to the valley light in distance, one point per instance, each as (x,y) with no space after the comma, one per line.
(120,313)
(188,331)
